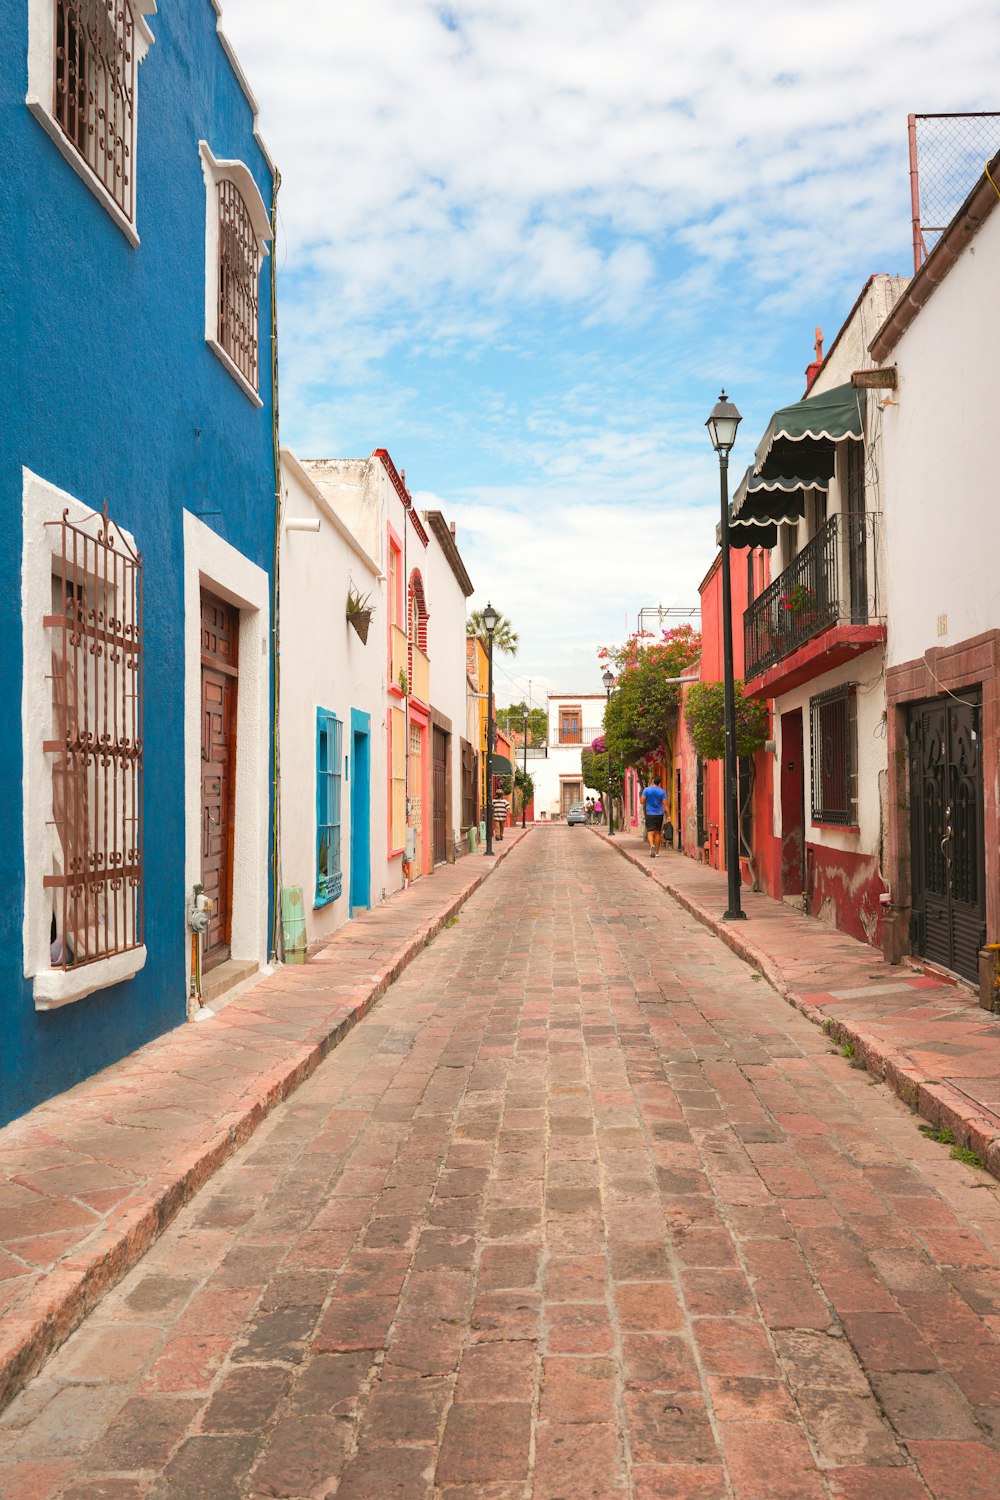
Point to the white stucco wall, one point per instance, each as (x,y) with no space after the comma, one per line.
(446,604)
(942,517)
(564,760)
(866,672)
(324,664)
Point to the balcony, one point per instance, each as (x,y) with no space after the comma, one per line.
(420,687)
(398,649)
(821,611)
(579,737)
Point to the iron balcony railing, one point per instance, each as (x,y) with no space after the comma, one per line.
(833,580)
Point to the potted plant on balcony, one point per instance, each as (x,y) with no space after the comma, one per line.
(359,612)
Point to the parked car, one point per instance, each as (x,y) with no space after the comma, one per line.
(577,814)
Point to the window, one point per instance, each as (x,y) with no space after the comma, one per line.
(570,726)
(397,791)
(83,58)
(236,238)
(394,559)
(834,738)
(329,750)
(82,716)
(470,808)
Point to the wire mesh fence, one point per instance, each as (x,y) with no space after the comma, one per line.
(947,154)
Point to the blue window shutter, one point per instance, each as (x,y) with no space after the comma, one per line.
(329,737)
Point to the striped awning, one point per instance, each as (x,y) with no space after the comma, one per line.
(813,424)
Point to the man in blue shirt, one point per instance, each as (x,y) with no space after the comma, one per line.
(653,799)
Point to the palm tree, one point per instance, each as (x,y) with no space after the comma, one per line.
(505,637)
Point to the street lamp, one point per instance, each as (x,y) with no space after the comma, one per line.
(490,620)
(722,425)
(524,773)
(609,681)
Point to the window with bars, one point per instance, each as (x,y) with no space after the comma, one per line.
(329,752)
(239,266)
(834,755)
(94,90)
(94,630)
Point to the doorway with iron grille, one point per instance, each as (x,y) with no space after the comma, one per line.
(948,919)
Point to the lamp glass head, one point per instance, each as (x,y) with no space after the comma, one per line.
(722,424)
(609,680)
(490,618)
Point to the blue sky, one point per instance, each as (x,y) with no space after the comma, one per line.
(523,244)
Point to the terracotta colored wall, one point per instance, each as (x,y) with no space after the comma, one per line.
(844,889)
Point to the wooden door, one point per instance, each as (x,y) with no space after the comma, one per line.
(793,805)
(220,626)
(440,796)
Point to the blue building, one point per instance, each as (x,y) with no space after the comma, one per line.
(137,498)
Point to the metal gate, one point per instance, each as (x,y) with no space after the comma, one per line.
(946,832)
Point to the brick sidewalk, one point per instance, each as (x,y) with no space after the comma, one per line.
(89,1179)
(583,1211)
(928,1040)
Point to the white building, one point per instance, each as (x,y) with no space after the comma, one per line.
(575,719)
(332,718)
(421,628)
(942,525)
(815,635)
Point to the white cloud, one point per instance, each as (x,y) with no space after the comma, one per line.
(523,239)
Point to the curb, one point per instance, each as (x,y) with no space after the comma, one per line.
(938,1103)
(61,1300)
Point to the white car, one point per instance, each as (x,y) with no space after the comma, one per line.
(577,814)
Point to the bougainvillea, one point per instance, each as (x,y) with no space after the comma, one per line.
(705,717)
(641,715)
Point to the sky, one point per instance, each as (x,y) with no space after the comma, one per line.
(523,244)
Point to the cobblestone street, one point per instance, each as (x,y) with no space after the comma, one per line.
(582,1210)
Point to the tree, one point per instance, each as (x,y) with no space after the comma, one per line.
(641,717)
(705,717)
(505,637)
(594,766)
(511,721)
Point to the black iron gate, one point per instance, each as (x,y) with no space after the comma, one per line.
(946,831)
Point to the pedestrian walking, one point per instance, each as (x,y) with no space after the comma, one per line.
(598,811)
(590,809)
(653,799)
(499,808)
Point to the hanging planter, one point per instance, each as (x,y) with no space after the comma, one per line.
(359,612)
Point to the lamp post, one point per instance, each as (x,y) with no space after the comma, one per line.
(722,425)
(490,618)
(524,773)
(609,681)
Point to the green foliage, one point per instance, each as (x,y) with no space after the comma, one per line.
(511,720)
(595,770)
(942,1135)
(356,602)
(970,1158)
(641,717)
(505,637)
(705,716)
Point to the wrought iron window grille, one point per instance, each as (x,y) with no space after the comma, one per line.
(94,90)
(239,266)
(95,633)
(834,756)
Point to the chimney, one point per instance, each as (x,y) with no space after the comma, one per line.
(451,527)
(813,369)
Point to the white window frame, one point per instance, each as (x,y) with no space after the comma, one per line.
(42,503)
(217,171)
(41,73)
